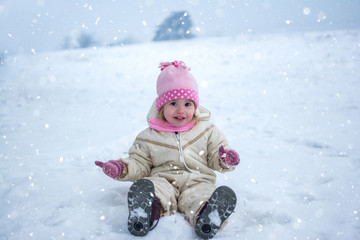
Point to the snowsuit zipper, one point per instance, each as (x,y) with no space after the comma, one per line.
(182,158)
(181,150)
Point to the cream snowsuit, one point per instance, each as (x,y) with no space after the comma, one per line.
(180,165)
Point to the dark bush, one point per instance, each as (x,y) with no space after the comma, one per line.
(176,26)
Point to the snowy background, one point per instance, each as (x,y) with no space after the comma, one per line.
(288,103)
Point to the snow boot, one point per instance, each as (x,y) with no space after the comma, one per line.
(144,208)
(213,214)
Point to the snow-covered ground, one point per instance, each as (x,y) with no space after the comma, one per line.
(289,104)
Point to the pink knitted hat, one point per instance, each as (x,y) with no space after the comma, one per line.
(175,82)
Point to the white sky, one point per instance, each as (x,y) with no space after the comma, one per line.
(42,24)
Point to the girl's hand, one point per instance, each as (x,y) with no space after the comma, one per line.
(111,168)
(228,157)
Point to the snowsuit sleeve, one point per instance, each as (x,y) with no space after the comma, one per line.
(138,162)
(215,140)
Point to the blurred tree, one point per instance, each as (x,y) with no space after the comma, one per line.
(78,40)
(66,43)
(85,40)
(2,58)
(176,26)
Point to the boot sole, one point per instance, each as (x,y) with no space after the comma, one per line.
(140,198)
(219,207)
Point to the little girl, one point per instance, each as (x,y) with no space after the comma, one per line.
(171,162)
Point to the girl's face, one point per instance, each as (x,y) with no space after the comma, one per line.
(179,112)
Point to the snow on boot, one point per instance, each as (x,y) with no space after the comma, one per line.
(144,207)
(219,207)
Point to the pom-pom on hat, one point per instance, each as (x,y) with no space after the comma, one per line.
(175,82)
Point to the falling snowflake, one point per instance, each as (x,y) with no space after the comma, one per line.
(306,11)
(321,16)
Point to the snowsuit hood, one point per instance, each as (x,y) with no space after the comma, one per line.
(201,113)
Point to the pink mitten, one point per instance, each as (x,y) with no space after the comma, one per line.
(228,157)
(111,168)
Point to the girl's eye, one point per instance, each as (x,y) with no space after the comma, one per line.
(188,104)
(173,103)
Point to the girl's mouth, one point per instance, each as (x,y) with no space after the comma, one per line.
(179,118)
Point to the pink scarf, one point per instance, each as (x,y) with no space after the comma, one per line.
(163,126)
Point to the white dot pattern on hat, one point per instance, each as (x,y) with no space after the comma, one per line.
(177,94)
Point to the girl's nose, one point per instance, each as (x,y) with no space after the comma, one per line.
(180,109)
